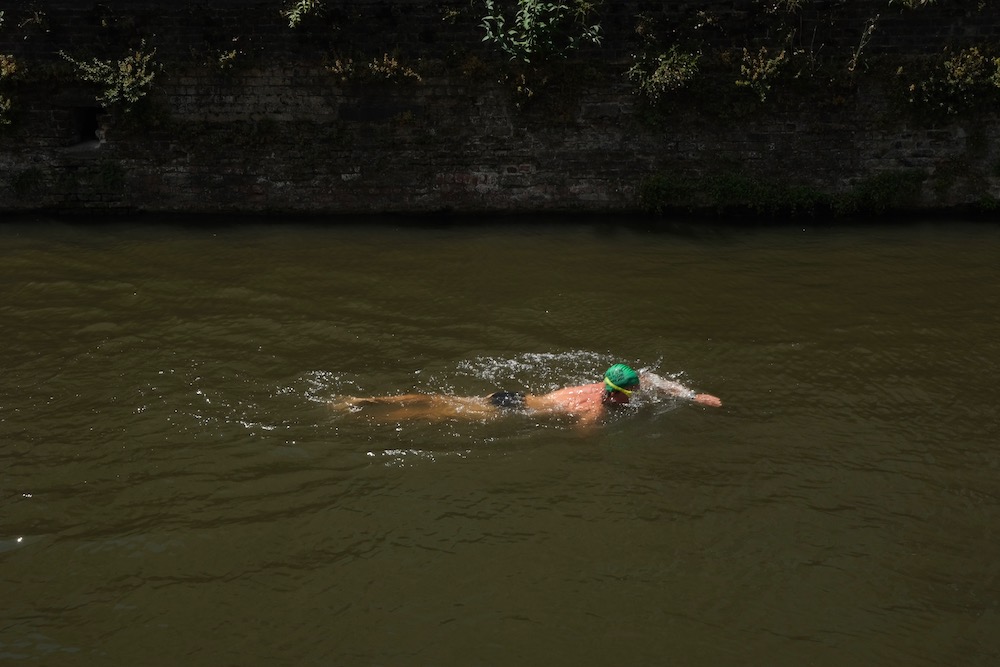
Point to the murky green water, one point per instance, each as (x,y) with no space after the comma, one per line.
(176,491)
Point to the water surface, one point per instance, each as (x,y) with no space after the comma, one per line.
(176,489)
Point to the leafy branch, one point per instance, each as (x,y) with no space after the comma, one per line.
(299,9)
(540,29)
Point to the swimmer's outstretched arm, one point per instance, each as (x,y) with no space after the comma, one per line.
(671,388)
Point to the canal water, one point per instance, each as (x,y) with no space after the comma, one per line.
(176,489)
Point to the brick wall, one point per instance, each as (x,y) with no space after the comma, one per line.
(279,131)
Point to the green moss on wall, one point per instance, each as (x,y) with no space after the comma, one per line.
(739,193)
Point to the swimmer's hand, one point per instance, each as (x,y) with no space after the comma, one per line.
(708,399)
(672,388)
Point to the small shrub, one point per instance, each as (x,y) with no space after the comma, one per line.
(759,69)
(474,68)
(540,29)
(664,73)
(8,66)
(994,79)
(883,192)
(8,70)
(961,82)
(386,68)
(741,193)
(731,193)
(111,175)
(226,59)
(124,82)
(989,204)
(27,183)
(663,192)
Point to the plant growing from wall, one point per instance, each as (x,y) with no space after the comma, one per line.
(730,193)
(27,182)
(963,81)
(738,192)
(882,192)
(913,4)
(866,37)
(386,68)
(540,30)
(989,204)
(110,176)
(8,70)
(4,101)
(390,69)
(125,81)
(656,76)
(299,10)
(35,17)
(227,58)
(759,69)
(8,66)
(776,6)
(5,105)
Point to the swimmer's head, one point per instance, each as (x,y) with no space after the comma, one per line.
(621,378)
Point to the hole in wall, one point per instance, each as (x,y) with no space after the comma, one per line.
(86,125)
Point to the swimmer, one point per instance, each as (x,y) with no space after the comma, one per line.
(586,403)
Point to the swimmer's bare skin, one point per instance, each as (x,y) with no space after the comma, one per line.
(426,406)
(671,388)
(586,403)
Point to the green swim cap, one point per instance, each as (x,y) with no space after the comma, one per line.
(619,377)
